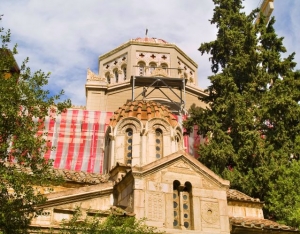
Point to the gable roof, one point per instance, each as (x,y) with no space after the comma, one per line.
(236,195)
(175,157)
(81,176)
(239,223)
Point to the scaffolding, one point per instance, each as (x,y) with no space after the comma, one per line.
(152,83)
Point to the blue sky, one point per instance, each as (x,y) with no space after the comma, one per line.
(66,37)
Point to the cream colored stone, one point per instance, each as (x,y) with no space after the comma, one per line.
(224,224)
(219,194)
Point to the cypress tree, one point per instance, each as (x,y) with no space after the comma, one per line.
(252,115)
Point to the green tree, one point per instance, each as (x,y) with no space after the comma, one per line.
(252,115)
(24,104)
(113,224)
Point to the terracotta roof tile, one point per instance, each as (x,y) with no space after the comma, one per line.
(81,177)
(150,40)
(236,195)
(259,224)
(143,110)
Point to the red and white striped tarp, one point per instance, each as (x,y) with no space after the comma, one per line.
(78,138)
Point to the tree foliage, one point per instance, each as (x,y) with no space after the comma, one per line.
(252,115)
(24,104)
(113,224)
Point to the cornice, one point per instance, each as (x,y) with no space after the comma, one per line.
(108,54)
(97,86)
(195,89)
(239,203)
(61,199)
(116,86)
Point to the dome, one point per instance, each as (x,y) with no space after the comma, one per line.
(144,111)
(150,40)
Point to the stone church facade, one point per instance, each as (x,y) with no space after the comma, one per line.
(146,168)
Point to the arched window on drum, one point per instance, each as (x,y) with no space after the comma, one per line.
(164,66)
(124,70)
(152,67)
(107,76)
(158,143)
(141,68)
(116,74)
(178,141)
(128,146)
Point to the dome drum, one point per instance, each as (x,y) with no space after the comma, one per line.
(143,132)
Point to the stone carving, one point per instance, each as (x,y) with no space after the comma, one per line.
(208,184)
(161,124)
(157,186)
(180,171)
(159,71)
(184,70)
(182,165)
(210,212)
(91,76)
(130,205)
(131,123)
(155,206)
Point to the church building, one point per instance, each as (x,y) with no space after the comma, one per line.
(127,150)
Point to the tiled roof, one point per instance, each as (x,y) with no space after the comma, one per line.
(143,110)
(236,195)
(81,176)
(150,40)
(259,224)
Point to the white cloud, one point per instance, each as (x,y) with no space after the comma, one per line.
(66,37)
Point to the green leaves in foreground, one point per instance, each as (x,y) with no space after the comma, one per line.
(24,104)
(113,224)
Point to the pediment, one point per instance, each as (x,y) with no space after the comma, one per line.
(183,165)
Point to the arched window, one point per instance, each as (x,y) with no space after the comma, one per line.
(176,211)
(141,68)
(178,141)
(182,205)
(116,74)
(165,67)
(187,205)
(158,143)
(107,154)
(152,67)
(107,76)
(128,146)
(124,69)
(185,76)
